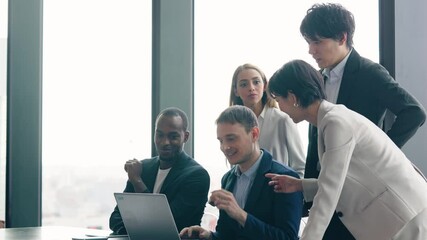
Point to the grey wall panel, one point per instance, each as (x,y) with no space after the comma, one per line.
(411,66)
(24,86)
(173,58)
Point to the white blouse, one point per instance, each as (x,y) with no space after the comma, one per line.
(279,135)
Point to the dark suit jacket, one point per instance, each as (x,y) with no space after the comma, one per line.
(270,215)
(186,188)
(368,89)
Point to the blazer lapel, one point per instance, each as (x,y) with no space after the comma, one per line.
(230,181)
(149,171)
(259,182)
(169,179)
(175,171)
(349,77)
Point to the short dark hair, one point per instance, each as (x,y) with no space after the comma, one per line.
(328,20)
(301,79)
(239,114)
(174,111)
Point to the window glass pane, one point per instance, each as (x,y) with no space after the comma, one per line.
(3,75)
(265,33)
(96,105)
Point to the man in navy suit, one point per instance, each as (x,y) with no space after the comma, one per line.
(249,208)
(358,83)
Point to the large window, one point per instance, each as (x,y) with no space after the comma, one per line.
(265,33)
(3,74)
(96,105)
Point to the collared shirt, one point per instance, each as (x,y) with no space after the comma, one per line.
(279,136)
(244,182)
(334,79)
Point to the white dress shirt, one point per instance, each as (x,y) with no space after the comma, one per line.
(279,135)
(333,80)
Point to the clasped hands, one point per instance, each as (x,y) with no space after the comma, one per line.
(134,169)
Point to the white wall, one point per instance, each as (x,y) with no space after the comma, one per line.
(411,66)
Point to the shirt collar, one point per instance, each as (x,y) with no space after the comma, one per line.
(263,112)
(338,70)
(251,172)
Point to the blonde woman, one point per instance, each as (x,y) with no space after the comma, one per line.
(278,133)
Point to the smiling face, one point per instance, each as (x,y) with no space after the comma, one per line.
(170,137)
(249,87)
(238,146)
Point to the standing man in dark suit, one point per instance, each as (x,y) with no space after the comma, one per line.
(358,83)
(173,173)
(249,207)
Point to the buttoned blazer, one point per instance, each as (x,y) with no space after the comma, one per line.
(270,215)
(186,187)
(364,176)
(368,89)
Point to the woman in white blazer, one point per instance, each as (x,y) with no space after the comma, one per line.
(364,176)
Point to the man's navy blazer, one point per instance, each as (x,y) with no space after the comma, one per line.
(270,215)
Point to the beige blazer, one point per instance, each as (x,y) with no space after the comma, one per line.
(364,176)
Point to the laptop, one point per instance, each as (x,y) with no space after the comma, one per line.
(147,216)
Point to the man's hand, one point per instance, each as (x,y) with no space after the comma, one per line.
(195,232)
(224,200)
(284,183)
(134,169)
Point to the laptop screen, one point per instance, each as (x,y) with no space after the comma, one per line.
(147,216)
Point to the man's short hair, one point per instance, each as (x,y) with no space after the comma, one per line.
(239,114)
(328,20)
(174,111)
